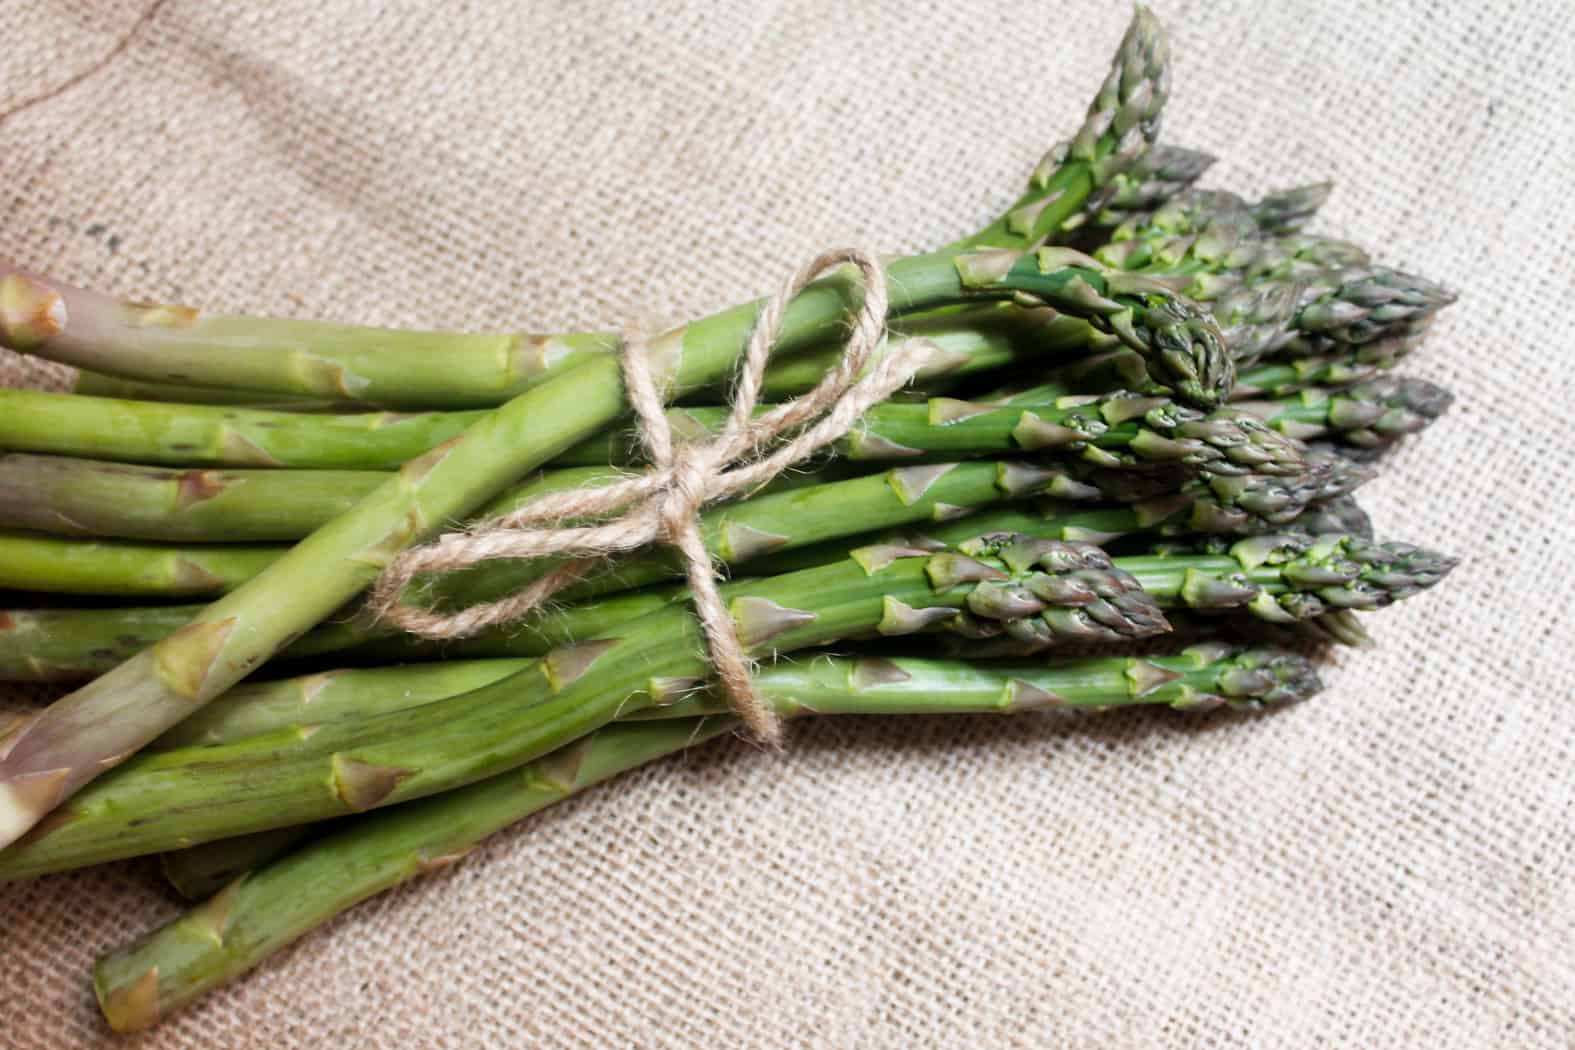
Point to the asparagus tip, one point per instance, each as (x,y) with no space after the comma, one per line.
(1286,211)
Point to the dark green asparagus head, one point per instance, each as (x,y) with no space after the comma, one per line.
(1211,229)
(1316,263)
(1381,411)
(1230,505)
(1372,415)
(1342,515)
(1281,500)
(1371,302)
(1162,174)
(1181,347)
(1248,678)
(1222,442)
(1123,118)
(1035,592)
(1255,319)
(1287,211)
(1288,577)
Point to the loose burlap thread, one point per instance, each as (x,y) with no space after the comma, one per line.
(1389,865)
(663,504)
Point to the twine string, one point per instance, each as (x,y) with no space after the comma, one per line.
(663,504)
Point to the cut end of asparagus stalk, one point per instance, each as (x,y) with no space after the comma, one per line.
(31,312)
(23,802)
(130,1005)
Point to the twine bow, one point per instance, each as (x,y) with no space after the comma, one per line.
(663,504)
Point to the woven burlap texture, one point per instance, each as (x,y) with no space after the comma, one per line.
(1390,865)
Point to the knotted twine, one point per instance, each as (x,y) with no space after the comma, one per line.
(663,504)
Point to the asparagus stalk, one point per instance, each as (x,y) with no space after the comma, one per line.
(968,340)
(396,369)
(1001,586)
(1201,678)
(97,384)
(62,645)
(207,435)
(1115,430)
(44,760)
(823,684)
(176,344)
(1074,177)
(1314,505)
(85,497)
(361,859)
(123,568)
(75,497)
(971,339)
(263,911)
(1060,592)
(198,872)
(68,645)
(256,708)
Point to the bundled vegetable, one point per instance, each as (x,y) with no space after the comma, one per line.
(1103,442)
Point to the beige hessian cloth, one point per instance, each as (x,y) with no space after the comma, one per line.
(1389,866)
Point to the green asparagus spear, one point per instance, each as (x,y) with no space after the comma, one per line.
(67,496)
(162,801)
(69,644)
(97,384)
(1121,125)
(198,872)
(363,858)
(263,911)
(1000,586)
(823,684)
(1203,677)
(207,435)
(1368,415)
(83,497)
(397,369)
(124,568)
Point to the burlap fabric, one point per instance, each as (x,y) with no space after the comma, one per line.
(1390,865)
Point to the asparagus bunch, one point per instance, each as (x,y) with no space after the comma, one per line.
(1079,463)
(256,914)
